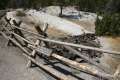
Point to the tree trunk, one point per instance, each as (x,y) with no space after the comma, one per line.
(61,10)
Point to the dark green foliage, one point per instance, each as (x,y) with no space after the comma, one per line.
(113,6)
(84,5)
(24,3)
(110,9)
(109,25)
(20,14)
(92,5)
(39,3)
(3,4)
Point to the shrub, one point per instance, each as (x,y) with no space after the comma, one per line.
(109,25)
(20,13)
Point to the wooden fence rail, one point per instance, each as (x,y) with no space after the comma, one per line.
(85,68)
(69,44)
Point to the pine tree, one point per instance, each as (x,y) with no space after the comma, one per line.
(3,4)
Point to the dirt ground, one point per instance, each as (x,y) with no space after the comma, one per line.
(13,65)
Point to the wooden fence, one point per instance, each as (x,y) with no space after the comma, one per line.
(13,33)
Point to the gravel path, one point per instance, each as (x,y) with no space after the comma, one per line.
(13,65)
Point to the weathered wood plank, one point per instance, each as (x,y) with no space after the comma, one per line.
(70,62)
(89,60)
(33,54)
(52,71)
(71,44)
(86,68)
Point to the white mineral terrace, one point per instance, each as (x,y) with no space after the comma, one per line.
(55,22)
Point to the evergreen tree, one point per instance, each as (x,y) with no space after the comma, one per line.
(3,4)
(110,24)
